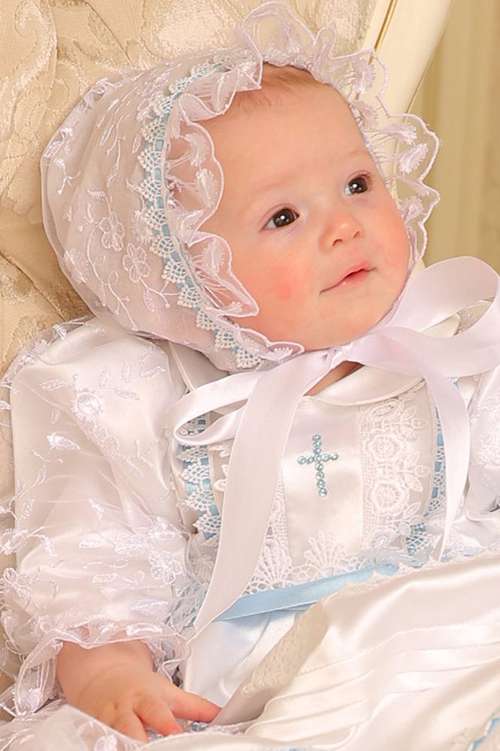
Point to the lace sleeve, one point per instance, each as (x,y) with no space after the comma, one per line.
(99,542)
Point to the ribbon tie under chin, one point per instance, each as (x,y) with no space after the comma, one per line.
(396,345)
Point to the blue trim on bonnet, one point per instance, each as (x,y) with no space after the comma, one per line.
(177,265)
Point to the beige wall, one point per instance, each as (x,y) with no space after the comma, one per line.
(460,99)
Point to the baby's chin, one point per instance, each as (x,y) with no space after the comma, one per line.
(353,328)
(316,335)
(341,326)
(340,337)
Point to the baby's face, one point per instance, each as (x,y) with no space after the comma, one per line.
(315,236)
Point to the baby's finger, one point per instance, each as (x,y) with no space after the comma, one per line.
(157,715)
(193,707)
(129,724)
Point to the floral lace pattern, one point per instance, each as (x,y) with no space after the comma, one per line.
(148,157)
(179,267)
(198,483)
(394,473)
(488,447)
(81,533)
(136,550)
(403,503)
(275,566)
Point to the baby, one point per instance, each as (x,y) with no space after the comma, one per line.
(149,609)
(318,242)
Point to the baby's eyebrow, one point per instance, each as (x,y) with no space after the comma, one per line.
(265,187)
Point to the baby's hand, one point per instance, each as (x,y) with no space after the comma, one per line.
(130,700)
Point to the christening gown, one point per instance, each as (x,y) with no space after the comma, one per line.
(117,531)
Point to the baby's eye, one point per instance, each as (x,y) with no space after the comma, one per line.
(359,184)
(282,218)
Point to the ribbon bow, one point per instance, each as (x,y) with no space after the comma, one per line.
(261,427)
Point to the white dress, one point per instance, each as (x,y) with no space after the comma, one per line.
(116,536)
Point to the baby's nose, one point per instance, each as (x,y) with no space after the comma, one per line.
(343,228)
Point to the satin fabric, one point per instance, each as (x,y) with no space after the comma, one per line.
(111,504)
(397,344)
(412,663)
(108,512)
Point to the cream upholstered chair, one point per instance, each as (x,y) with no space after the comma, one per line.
(51,52)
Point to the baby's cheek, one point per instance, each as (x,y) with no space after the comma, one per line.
(286,283)
(284,289)
(397,250)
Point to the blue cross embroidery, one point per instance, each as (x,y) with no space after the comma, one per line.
(318,458)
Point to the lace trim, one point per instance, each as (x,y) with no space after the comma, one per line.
(160,274)
(196,474)
(422,536)
(178,266)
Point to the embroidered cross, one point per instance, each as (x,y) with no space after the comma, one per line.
(319,459)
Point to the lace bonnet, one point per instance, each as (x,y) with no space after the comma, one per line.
(131,175)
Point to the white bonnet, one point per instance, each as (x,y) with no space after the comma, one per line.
(131,175)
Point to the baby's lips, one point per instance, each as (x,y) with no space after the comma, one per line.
(353,269)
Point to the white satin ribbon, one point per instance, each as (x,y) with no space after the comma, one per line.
(262,425)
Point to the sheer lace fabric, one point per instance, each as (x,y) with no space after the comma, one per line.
(81,473)
(116,531)
(131,175)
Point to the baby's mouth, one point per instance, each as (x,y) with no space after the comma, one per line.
(354,275)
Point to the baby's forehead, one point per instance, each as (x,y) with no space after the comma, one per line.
(283,90)
(278,86)
(291,107)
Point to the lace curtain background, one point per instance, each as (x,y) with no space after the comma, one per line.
(458,98)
